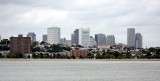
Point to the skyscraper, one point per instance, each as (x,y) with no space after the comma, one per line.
(100,39)
(110,40)
(131,37)
(138,40)
(75,37)
(44,37)
(32,35)
(84,37)
(20,44)
(53,35)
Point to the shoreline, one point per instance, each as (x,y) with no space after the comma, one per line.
(79,59)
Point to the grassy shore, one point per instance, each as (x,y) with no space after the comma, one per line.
(21,59)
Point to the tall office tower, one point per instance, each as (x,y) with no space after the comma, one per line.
(53,35)
(84,37)
(44,37)
(75,37)
(32,35)
(92,41)
(100,39)
(20,44)
(138,40)
(110,40)
(131,37)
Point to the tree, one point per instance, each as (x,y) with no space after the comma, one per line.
(19,55)
(41,55)
(36,49)
(116,54)
(73,57)
(149,56)
(128,55)
(28,56)
(0,55)
(35,43)
(34,55)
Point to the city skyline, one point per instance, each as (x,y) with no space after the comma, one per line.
(110,17)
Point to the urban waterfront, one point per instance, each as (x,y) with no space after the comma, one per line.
(79,70)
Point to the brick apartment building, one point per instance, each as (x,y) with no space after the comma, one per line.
(20,44)
(79,52)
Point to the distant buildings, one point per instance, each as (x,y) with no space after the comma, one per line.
(53,34)
(138,40)
(75,37)
(100,39)
(110,40)
(44,37)
(65,42)
(131,37)
(84,37)
(32,35)
(20,44)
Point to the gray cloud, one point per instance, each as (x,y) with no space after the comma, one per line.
(101,16)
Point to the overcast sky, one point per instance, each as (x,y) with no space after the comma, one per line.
(111,17)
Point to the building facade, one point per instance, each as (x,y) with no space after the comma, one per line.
(44,37)
(77,52)
(138,40)
(110,40)
(53,35)
(92,41)
(131,37)
(100,39)
(32,35)
(84,37)
(20,44)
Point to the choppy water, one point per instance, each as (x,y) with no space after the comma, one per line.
(79,70)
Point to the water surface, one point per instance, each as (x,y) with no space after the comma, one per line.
(71,70)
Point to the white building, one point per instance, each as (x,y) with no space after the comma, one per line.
(84,37)
(131,37)
(53,35)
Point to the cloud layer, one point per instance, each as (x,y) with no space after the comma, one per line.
(101,16)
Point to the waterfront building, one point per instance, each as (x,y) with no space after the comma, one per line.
(78,52)
(53,35)
(20,44)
